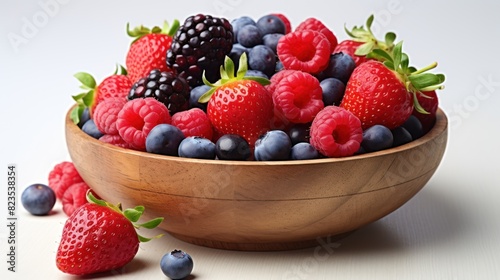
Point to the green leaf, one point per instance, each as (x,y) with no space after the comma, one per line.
(424,80)
(86,79)
(146,239)
(92,199)
(398,54)
(152,223)
(132,214)
(170,31)
(76,113)
(348,32)
(380,55)
(441,78)
(88,99)
(206,96)
(260,80)
(228,72)
(390,37)
(365,48)
(417,105)
(242,65)
(78,98)
(369,22)
(405,60)
(389,64)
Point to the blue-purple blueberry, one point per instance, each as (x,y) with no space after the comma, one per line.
(299,133)
(164,139)
(377,138)
(195,95)
(238,23)
(414,127)
(197,147)
(91,129)
(271,41)
(232,147)
(249,36)
(176,264)
(304,150)
(273,145)
(38,199)
(401,136)
(333,91)
(263,59)
(269,24)
(340,67)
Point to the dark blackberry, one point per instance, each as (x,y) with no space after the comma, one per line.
(201,44)
(165,87)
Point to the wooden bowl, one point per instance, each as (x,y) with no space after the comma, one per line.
(259,206)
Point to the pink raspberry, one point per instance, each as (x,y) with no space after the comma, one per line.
(317,25)
(336,132)
(276,78)
(138,117)
(305,50)
(193,122)
(62,176)
(106,113)
(74,197)
(298,97)
(116,140)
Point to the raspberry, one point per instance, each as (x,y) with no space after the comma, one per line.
(276,78)
(317,25)
(105,114)
(116,140)
(298,97)
(193,122)
(336,132)
(138,117)
(286,21)
(74,197)
(62,176)
(306,50)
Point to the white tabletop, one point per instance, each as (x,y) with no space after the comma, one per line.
(449,230)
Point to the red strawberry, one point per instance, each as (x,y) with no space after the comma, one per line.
(384,93)
(99,237)
(239,105)
(429,101)
(116,85)
(148,50)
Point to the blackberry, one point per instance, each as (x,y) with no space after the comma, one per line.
(165,87)
(200,44)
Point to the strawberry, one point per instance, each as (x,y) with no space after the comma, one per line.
(363,41)
(116,85)
(99,237)
(385,92)
(238,104)
(429,101)
(148,49)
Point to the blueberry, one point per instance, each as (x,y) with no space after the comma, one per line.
(271,41)
(236,51)
(333,91)
(299,133)
(274,145)
(249,36)
(401,136)
(176,264)
(164,139)
(197,147)
(91,129)
(269,24)
(38,199)
(262,58)
(232,147)
(238,23)
(376,138)
(84,117)
(195,94)
(303,150)
(414,127)
(340,66)
(279,66)
(256,73)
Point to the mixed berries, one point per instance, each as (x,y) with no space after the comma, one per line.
(261,87)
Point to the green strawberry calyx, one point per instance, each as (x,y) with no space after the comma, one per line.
(227,73)
(141,30)
(370,42)
(415,80)
(86,98)
(132,214)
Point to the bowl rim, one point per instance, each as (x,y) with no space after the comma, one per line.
(439,127)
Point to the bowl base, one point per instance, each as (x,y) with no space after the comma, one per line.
(326,241)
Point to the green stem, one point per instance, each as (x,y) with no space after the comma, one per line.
(427,68)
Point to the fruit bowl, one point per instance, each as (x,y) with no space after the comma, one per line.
(259,206)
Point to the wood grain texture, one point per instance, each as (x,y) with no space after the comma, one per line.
(259,205)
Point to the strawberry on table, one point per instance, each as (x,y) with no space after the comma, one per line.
(99,237)
(115,85)
(148,49)
(239,104)
(386,92)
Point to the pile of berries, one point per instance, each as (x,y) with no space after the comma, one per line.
(250,89)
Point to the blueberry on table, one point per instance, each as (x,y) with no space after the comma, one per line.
(176,264)
(197,147)
(377,138)
(38,199)
(274,145)
(232,147)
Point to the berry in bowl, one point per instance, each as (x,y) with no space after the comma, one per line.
(253,159)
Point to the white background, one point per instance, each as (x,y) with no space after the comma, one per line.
(450,230)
